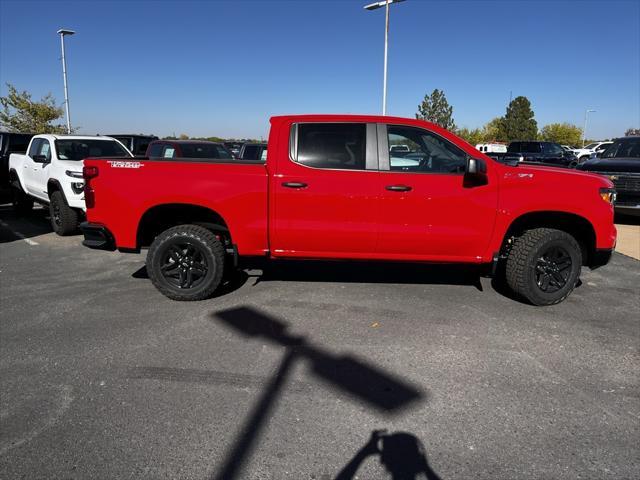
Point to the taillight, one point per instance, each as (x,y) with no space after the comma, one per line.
(89,197)
(89,172)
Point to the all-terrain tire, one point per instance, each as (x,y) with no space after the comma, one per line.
(177,250)
(528,265)
(64,219)
(22,203)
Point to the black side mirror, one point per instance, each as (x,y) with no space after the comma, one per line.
(40,158)
(476,173)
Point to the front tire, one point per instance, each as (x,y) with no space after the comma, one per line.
(64,219)
(186,263)
(544,266)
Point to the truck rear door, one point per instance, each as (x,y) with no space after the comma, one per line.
(324,194)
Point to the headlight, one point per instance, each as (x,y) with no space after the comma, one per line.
(608,195)
(77,187)
(72,174)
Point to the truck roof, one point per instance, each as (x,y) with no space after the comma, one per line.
(72,137)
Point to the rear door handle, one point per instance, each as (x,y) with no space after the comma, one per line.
(398,188)
(294,184)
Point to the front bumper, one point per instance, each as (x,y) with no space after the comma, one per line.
(600,258)
(97,236)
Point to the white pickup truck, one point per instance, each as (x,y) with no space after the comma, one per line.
(51,173)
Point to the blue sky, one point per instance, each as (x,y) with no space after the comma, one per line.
(223,67)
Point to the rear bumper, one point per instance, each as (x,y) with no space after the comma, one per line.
(600,258)
(97,236)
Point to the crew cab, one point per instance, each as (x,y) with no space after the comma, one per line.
(331,188)
(51,173)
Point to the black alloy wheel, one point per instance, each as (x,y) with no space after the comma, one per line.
(184,265)
(553,269)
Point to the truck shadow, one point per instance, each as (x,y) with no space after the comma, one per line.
(14,227)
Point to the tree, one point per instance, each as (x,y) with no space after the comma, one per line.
(184,136)
(21,114)
(563,133)
(519,123)
(494,131)
(632,131)
(435,108)
(473,137)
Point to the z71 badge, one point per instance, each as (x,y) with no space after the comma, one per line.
(123,164)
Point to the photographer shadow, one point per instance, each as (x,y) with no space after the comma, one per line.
(401,453)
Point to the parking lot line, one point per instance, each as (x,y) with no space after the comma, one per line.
(18,234)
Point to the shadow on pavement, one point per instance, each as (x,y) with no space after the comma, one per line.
(14,227)
(401,453)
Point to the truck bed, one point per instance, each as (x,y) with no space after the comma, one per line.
(124,191)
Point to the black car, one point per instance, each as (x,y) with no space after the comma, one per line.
(137,144)
(541,152)
(621,163)
(253,151)
(188,149)
(11,143)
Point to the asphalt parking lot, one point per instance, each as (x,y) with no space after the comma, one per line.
(289,373)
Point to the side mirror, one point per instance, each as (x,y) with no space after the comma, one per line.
(40,158)
(476,173)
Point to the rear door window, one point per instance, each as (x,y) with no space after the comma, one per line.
(339,146)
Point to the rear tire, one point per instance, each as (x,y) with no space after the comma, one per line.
(64,219)
(186,263)
(544,266)
(22,203)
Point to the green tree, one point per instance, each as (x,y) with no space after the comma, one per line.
(519,123)
(473,137)
(435,108)
(494,131)
(22,114)
(563,133)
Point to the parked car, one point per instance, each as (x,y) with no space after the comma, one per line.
(253,151)
(188,149)
(491,147)
(11,143)
(620,162)
(541,152)
(51,173)
(331,190)
(136,144)
(591,150)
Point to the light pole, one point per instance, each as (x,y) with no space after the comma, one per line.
(584,130)
(62,32)
(375,6)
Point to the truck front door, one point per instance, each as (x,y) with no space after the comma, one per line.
(428,211)
(36,168)
(324,194)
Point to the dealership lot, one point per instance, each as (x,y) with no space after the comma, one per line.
(103,377)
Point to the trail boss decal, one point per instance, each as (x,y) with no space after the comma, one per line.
(123,164)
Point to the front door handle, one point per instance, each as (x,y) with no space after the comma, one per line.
(398,188)
(294,184)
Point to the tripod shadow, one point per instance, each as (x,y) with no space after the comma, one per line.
(401,453)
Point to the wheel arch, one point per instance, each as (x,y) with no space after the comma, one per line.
(159,218)
(575,225)
(15,180)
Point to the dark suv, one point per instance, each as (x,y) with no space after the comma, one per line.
(11,143)
(541,152)
(621,163)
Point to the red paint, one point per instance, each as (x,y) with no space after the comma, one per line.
(347,213)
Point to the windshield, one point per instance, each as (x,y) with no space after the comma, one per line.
(80,149)
(590,146)
(623,148)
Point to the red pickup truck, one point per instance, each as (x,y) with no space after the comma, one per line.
(334,187)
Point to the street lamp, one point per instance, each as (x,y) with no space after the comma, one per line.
(62,32)
(584,130)
(375,6)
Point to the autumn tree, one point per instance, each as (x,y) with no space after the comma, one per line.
(563,133)
(436,109)
(22,114)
